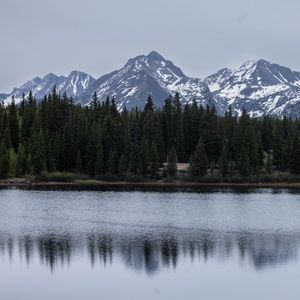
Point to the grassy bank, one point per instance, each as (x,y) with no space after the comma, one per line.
(175,184)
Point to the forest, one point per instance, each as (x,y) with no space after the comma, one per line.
(59,136)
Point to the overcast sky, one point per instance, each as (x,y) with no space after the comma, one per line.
(98,36)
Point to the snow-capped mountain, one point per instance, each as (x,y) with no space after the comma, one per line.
(3,96)
(74,85)
(147,75)
(262,88)
(258,86)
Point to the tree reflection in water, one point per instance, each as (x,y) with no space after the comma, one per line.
(151,252)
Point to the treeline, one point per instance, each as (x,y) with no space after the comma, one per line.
(57,135)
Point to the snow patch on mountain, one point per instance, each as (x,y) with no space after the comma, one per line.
(73,85)
(146,75)
(258,86)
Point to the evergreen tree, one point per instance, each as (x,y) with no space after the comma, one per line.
(12,161)
(269,163)
(295,156)
(111,164)
(38,153)
(123,165)
(99,167)
(78,162)
(244,166)
(171,167)
(198,162)
(4,164)
(95,103)
(224,159)
(21,166)
(154,162)
(13,125)
(144,157)
(134,158)
(149,106)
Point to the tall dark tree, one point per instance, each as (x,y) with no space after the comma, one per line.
(99,166)
(13,125)
(171,167)
(199,163)
(295,156)
(154,162)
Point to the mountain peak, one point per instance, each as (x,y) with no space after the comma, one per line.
(255,63)
(155,55)
(78,73)
(50,76)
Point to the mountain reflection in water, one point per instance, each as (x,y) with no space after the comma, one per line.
(150,252)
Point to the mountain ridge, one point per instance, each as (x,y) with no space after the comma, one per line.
(258,86)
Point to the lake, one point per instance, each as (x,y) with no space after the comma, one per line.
(217,244)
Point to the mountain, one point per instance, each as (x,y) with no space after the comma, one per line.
(140,77)
(261,87)
(147,75)
(74,85)
(3,96)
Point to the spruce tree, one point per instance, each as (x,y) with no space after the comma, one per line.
(154,162)
(13,125)
(99,167)
(78,162)
(244,166)
(12,161)
(144,157)
(123,165)
(224,159)
(95,103)
(171,167)
(295,156)
(38,153)
(198,163)
(269,163)
(21,167)
(134,158)
(4,165)
(111,164)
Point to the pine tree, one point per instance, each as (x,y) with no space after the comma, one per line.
(99,167)
(13,125)
(38,153)
(149,106)
(4,164)
(12,161)
(269,163)
(78,162)
(21,167)
(95,103)
(278,149)
(295,156)
(198,162)
(144,157)
(110,164)
(123,165)
(154,162)
(171,167)
(224,159)
(244,166)
(134,158)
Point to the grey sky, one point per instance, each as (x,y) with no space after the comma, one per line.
(98,36)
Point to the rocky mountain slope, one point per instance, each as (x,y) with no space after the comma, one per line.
(74,85)
(262,88)
(258,86)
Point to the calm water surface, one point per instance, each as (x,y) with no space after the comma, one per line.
(149,245)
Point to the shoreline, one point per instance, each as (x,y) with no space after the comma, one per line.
(143,185)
